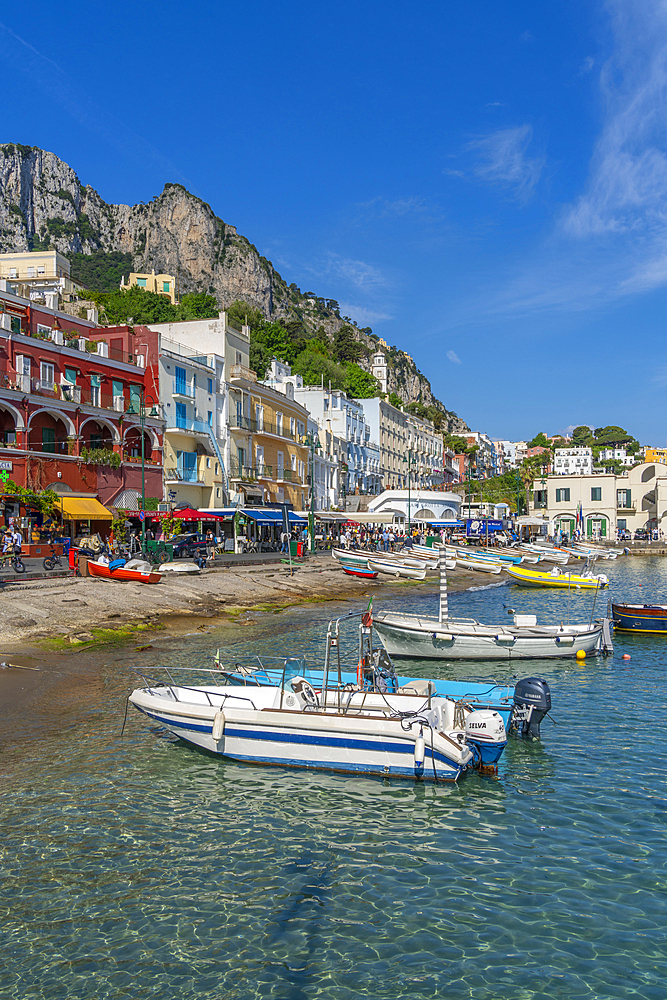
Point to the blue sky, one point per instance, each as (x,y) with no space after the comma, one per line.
(482,183)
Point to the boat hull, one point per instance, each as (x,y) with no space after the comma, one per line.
(418,638)
(396,569)
(357,570)
(95,569)
(306,741)
(640,618)
(533,578)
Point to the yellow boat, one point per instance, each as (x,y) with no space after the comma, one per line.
(556,578)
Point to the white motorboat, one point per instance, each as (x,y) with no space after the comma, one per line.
(450,638)
(424,637)
(377,728)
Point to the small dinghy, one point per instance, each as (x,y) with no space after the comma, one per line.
(135,569)
(395,568)
(360,571)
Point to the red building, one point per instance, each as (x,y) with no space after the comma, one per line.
(71,408)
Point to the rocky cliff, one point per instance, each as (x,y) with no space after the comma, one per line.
(43,204)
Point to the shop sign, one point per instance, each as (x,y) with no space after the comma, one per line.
(7,465)
(480,527)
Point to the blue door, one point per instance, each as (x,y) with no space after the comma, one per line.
(181,416)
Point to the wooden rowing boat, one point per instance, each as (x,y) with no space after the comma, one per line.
(97,569)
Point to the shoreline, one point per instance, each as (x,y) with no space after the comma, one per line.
(58,634)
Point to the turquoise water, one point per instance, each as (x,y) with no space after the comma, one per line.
(139,868)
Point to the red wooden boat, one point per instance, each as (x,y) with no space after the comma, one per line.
(97,569)
(367,574)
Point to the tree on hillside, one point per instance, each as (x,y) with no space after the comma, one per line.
(315,368)
(539,441)
(612,436)
(198,305)
(360,384)
(240,312)
(345,347)
(582,437)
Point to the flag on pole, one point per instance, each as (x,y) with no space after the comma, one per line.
(367,617)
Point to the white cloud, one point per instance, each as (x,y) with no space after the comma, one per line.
(503,160)
(358,272)
(611,242)
(628,179)
(453,356)
(361,315)
(587,65)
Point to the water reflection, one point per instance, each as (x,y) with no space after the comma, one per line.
(136,867)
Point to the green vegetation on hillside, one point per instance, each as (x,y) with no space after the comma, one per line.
(135,305)
(100,271)
(316,358)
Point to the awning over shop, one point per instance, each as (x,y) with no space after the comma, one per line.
(268,516)
(386,517)
(84,509)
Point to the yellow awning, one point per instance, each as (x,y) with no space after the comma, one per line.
(84,509)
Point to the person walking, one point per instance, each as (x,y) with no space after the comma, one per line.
(210,545)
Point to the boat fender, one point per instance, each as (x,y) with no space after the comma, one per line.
(218,725)
(419,752)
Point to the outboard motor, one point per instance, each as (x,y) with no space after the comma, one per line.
(486,736)
(532,701)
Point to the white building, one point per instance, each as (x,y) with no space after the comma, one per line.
(424,505)
(389,427)
(343,419)
(225,351)
(425,461)
(485,457)
(379,369)
(606,502)
(510,454)
(573,461)
(617,455)
(195,434)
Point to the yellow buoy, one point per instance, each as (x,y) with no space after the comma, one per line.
(581,655)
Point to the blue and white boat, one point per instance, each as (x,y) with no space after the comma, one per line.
(283,713)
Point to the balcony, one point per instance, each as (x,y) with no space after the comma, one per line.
(190,426)
(182,476)
(240,371)
(249,473)
(242,423)
(183,389)
(288,476)
(69,392)
(278,429)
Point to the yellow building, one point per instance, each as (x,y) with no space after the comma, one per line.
(160,284)
(656,455)
(35,274)
(270,461)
